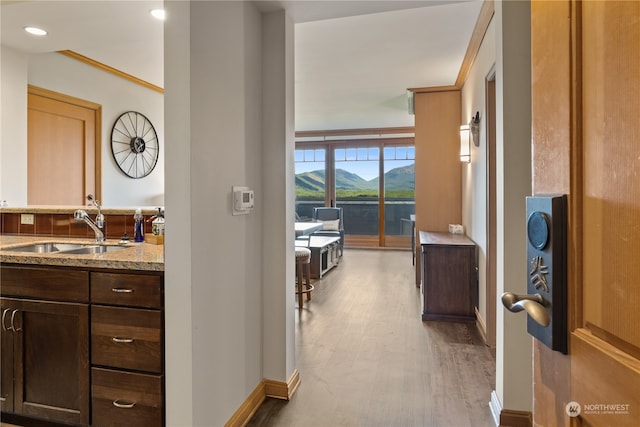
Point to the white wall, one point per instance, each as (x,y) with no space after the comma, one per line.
(116,95)
(13,127)
(226,67)
(65,75)
(507,45)
(514,382)
(279,190)
(179,319)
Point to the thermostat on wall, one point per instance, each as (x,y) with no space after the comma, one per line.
(242,200)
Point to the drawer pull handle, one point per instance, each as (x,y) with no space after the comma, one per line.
(118,404)
(122,340)
(122,290)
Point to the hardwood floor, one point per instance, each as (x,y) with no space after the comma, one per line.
(366,358)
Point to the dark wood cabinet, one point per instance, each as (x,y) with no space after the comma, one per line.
(82,346)
(126,398)
(449,285)
(127,349)
(45,348)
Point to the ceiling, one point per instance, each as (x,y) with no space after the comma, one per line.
(354,59)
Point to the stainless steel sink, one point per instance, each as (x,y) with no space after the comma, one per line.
(45,248)
(67,248)
(95,249)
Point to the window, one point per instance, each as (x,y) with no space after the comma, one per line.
(373,181)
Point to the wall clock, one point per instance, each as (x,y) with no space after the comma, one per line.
(134,144)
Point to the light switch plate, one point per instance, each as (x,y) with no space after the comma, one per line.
(26,219)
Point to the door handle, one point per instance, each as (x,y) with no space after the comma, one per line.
(13,321)
(5,312)
(533,304)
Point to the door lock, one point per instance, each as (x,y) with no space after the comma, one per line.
(546,299)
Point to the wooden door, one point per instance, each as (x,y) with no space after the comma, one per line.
(586,143)
(63,149)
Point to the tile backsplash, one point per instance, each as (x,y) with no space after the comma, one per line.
(63,225)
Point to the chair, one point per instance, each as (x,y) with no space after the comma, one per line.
(303,274)
(332,224)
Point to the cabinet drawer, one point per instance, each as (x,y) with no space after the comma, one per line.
(126,338)
(126,399)
(45,283)
(134,290)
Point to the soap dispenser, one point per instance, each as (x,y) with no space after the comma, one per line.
(138,230)
(157,226)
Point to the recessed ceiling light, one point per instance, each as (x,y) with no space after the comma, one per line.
(35,31)
(158,14)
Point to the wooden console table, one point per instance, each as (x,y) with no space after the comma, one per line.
(449,284)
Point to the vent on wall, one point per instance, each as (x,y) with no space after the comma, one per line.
(410,102)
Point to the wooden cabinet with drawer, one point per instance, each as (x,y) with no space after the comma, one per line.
(45,344)
(449,277)
(127,349)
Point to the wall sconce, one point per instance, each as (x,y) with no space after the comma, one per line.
(474,127)
(465,144)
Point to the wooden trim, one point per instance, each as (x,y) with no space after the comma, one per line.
(510,418)
(249,407)
(357,241)
(266,388)
(97,112)
(491,216)
(111,70)
(484,19)
(46,93)
(353,132)
(433,89)
(481,325)
(486,13)
(280,390)
(576,176)
(361,141)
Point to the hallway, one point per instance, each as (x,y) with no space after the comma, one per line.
(366,358)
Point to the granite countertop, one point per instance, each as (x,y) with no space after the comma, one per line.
(136,256)
(72,209)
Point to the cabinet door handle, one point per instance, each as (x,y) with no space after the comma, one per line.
(122,290)
(122,340)
(4,317)
(123,405)
(13,321)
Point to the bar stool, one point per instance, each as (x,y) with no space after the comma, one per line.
(303,274)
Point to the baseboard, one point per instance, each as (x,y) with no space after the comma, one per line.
(509,418)
(481,325)
(495,406)
(280,390)
(266,388)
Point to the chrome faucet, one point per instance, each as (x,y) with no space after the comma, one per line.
(98,225)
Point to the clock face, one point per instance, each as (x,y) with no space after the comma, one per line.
(134,144)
